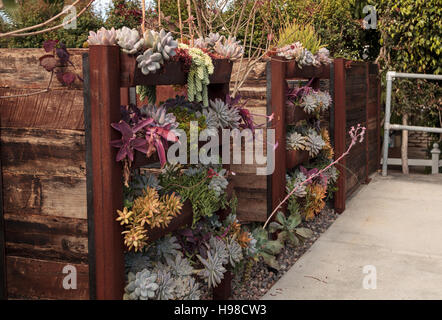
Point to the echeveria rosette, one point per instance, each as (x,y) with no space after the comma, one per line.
(129,140)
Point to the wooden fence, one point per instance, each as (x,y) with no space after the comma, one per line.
(43,168)
(355,89)
(44,220)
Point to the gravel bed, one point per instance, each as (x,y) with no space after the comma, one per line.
(262,278)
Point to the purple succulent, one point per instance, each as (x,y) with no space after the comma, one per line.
(129,140)
(321,178)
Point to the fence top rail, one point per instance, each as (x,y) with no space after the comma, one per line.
(393,74)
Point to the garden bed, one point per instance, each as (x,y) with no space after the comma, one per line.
(262,277)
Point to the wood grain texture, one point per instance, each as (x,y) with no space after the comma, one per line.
(104,66)
(46,238)
(41,279)
(56,109)
(20,68)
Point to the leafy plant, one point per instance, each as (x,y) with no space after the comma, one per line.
(195,188)
(304,33)
(265,248)
(287,228)
(56,61)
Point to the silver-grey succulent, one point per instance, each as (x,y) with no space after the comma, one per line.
(295,141)
(309,103)
(166,45)
(141,286)
(315,143)
(221,115)
(306,59)
(218,183)
(137,261)
(167,247)
(323,56)
(129,40)
(296,180)
(149,62)
(179,266)
(102,37)
(166,285)
(214,270)
(324,100)
(208,42)
(234,251)
(159,115)
(230,48)
(332,174)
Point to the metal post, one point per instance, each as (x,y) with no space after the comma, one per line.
(435,153)
(390,78)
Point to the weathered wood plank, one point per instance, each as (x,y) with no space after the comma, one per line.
(47,238)
(20,68)
(61,196)
(43,151)
(40,279)
(58,109)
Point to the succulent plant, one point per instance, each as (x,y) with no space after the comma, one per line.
(141,286)
(306,59)
(214,270)
(315,143)
(150,39)
(136,262)
(187,289)
(234,251)
(102,37)
(179,266)
(147,91)
(198,76)
(291,51)
(309,103)
(221,115)
(129,40)
(295,141)
(149,62)
(208,42)
(324,100)
(323,56)
(166,45)
(332,174)
(218,183)
(166,248)
(166,285)
(160,116)
(230,48)
(296,180)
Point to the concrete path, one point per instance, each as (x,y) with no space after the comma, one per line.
(393,224)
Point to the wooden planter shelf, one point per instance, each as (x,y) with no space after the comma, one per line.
(105,71)
(170,73)
(294,114)
(295,158)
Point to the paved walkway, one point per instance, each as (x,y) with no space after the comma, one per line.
(393,224)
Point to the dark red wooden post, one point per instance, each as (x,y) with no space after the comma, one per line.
(279,88)
(3,288)
(340,130)
(106,172)
(367,136)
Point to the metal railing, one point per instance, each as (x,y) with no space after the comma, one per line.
(391,75)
